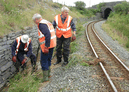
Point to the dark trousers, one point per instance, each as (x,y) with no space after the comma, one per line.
(65,43)
(20,57)
(45,59)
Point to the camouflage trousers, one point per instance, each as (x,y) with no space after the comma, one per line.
(62,48)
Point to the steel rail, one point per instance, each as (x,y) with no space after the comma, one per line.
(127,69)
(101,65)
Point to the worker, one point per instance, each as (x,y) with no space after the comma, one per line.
(21,46)
(64,24)
(47,41)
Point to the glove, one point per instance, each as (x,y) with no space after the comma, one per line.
(14,59)
(73,37)
(46,50)
(24,61)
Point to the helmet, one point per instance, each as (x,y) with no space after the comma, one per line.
(25,38)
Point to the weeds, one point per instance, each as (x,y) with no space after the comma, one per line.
(74,59)
(117,27)
(26,83)
(84,64)
(16,16)
(73,47)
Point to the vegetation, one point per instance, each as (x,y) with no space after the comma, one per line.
(25,82)
(117,24)
(16,16)
(122,8)
(99,6)
(74,56)
(80,7)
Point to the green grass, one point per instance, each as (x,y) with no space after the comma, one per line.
(74,59)
(117,26)
(25,83)
(80,28)
(16,16)
(73,47)
(84,64)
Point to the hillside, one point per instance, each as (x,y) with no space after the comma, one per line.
(17,14)
(117,24)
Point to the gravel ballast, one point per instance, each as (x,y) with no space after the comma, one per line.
(77,78)
(121,52)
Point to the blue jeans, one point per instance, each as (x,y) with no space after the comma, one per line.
(45,59)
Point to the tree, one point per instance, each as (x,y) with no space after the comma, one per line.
(80,5)
(100,5)
(122,8)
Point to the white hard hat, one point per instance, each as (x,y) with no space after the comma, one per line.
(24,38)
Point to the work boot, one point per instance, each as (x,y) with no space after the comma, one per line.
(58,61)
(45,76)
(64,64)
(49,71)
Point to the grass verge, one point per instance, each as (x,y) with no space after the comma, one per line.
(75,57)
(117,27)
(115,34)
(25,82)
(17,16)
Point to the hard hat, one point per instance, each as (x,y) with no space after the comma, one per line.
(24,38)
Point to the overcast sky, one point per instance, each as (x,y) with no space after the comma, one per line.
(88,3)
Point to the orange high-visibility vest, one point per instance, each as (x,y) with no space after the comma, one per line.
(42,37)
(18,45)
(63,29)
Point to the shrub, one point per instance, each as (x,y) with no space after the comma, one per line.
(122,8)
(127,44)
(80,5)
(100,5)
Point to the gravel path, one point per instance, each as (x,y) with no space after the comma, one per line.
(77,78)
(121,52)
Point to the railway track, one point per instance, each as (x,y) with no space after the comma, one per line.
(115,71)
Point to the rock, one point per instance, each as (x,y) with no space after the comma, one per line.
(3,68)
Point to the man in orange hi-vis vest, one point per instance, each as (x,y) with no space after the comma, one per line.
(64,24)
(47,41)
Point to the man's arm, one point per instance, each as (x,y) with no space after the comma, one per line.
(44,29)
(73,27)
(29,50)
(54,24)
(14,48)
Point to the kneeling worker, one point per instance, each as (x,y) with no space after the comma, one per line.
(21,46)
(47,40)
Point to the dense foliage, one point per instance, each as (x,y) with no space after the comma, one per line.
(119,20)
(122,8)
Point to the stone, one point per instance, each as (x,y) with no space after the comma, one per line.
(1,40)
(1,80)
(3,62)
(2,84)
(13,69)
(18,33)
(3,43)
(4,38)
(9,42)
(1,55)
(3,68)
(4,77)
(11,34)
(0,72)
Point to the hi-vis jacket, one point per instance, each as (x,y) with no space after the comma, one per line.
(18,45)
(42,37)
(63,29)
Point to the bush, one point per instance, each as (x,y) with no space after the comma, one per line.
(127,44)
(100,5)
(80,5)
(122,8)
